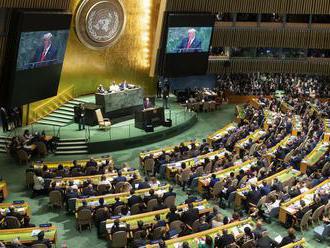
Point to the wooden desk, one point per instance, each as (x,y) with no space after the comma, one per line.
(172,169)
(326,123)
(64,182)
(283,143)
(204,181)
(283,176)
(157,152)
(110,198)
(240,113)
(68,163)
(315,155)
(255,136)
(24,234)
(4,189)
(285,107)
(296,125)
(301,242)
(149,217)
(236,228)
(22,208)
(255,103)
(221,132)
(289,207)
(270,117)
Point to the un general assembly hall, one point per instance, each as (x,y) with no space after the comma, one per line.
(164,123)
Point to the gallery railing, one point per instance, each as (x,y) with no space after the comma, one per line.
(127,129)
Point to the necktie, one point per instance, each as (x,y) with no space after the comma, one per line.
(189,43)
(43,55)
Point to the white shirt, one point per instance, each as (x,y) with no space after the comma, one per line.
(38,183)
(45,51)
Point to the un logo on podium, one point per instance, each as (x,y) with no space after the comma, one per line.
(100,23)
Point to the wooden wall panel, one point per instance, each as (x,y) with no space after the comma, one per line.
(252,6)
(257,37)
(40,4)
(311,66)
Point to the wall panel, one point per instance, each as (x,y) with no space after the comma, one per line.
(257,37)
(252,6)
(321,66)
(40,4)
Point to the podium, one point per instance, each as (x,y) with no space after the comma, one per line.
(151,116)
(90,116)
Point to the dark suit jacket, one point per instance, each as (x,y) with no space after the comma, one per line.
(224,240)
(266,242)
(148,198)
(144,185)
(196,45)
(50,56)
(253,197)
(168,194)
(189,216)
(44,241)
(134,199)
(286,240)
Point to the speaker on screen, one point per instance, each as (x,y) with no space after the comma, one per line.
(185,43)
(34,61)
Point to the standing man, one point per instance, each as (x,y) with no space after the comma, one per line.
(159,88)
(166,93)
(81,116)
(4,119)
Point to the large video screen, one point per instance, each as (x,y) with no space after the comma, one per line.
(188,39)
(35,58)
(42,48)
(185,44)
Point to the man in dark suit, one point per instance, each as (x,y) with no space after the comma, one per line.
(253,196)
(117,203)
(265,189)
(189,216)
(81,116)
(120,178)
(134,199)
(13,213)
(147,103)
(264,241)
(190,44)
(145,184)
(84,206)
(150,196)
(169,193)
(46,54)
(41,240)
(4,119)
(224,240)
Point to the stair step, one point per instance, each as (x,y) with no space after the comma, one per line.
(4,141)
(63,116)
(63,112)
(52,123)
(4,138)
(71,148)
(76,101)
(68,109)
(71,143)
(72,140)
(55,119)
(71,152)
(69,105)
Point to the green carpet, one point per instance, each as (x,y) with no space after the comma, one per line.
(15,176)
